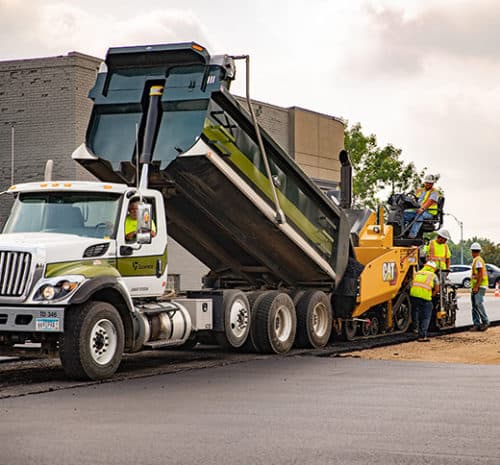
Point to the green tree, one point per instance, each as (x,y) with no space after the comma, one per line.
(489,251)
(377,169)
(455,253)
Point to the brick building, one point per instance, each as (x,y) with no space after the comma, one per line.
(44,111)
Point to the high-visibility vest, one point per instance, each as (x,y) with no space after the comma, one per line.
(422,285)
(474,276)
(438,253)
(131,225)
(433,209)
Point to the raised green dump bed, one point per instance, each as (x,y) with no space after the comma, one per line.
(206,160)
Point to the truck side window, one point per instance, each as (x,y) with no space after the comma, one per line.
(131,219)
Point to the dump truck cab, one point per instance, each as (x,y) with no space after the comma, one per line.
(78,229)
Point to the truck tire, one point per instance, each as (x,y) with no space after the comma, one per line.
(314,320)
(275,323)
(297,295)
(254,298)
(237,320)
(91,347)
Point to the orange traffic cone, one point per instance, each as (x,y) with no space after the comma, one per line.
(497,291)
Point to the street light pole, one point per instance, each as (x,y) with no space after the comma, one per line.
(461,225)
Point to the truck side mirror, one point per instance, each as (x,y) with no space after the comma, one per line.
(144,223)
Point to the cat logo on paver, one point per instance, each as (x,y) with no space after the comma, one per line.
(389,272)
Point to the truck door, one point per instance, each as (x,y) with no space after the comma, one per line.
(143,266)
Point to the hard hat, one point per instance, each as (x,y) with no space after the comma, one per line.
(444,233)
(475,246)
(431,264)
(430,178)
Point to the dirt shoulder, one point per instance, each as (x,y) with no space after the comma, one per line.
(468,347)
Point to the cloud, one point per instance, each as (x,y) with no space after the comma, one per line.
(427,82)
(397,45)
(54,28)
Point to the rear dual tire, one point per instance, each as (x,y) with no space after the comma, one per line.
(237,320)
(275,323)
(314,320)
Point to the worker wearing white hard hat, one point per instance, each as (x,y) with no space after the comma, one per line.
(444,233)
(424,286)
(478,286)
(427,197)
(438,249)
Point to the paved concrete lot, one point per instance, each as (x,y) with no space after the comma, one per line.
(464,315)
(296,410)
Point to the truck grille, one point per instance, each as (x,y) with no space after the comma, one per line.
(14,273)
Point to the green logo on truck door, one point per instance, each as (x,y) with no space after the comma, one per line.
(142,266)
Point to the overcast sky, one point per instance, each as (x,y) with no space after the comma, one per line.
(423,75)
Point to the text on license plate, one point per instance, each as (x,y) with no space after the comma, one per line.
(47,324)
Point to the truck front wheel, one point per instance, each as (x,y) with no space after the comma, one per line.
(93,341)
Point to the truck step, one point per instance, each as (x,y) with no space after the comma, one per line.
(160,344)
(154,309)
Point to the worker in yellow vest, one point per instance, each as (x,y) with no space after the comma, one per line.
(478,286)
(424,286)
(427,197)
(438,251)
(131,221)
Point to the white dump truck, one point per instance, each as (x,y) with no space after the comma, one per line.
(166,132)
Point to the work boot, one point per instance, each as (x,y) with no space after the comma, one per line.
(475,328)
(483,327)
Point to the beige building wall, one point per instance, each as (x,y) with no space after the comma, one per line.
(313,139)
(316,142)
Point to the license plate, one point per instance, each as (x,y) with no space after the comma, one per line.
(47,324)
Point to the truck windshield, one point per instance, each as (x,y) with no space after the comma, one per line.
(90,214)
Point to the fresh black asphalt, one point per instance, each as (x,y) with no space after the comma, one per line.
(290,410)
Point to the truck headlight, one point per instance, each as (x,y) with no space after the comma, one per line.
(56,290)
(48,292)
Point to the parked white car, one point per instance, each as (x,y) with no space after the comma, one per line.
(460,275)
